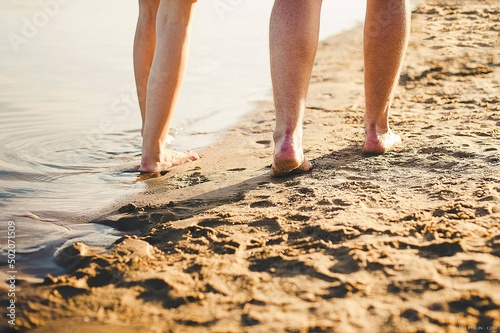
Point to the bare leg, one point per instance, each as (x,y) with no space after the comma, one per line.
(172,24)
(294,32)
(144,49)
(386,35)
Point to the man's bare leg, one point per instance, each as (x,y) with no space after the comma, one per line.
(172,26)
(386,35)
(294,33)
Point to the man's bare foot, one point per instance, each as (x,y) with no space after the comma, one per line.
(169,158)
(289,158)
(378,144)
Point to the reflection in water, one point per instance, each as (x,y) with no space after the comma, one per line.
(70,123)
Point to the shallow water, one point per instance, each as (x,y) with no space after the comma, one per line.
(70,123)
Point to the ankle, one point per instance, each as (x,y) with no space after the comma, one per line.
(150,158)
(377,128)
(289,135)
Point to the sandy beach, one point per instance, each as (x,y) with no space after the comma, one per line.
(404,242)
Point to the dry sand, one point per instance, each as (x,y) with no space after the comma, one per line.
(405,242)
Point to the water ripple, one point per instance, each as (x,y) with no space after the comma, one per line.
(89,152)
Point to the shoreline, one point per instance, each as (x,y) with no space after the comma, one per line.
(404,242)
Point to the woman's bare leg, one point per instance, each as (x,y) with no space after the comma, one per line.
(173,22)
(144,49)
(386,35)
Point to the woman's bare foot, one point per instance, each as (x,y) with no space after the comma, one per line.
(169,158)
(378,144)
(288,158)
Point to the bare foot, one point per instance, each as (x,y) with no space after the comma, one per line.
(378,144)
(169,159)
(289,158)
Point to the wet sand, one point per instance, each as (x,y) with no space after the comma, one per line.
(405,242)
